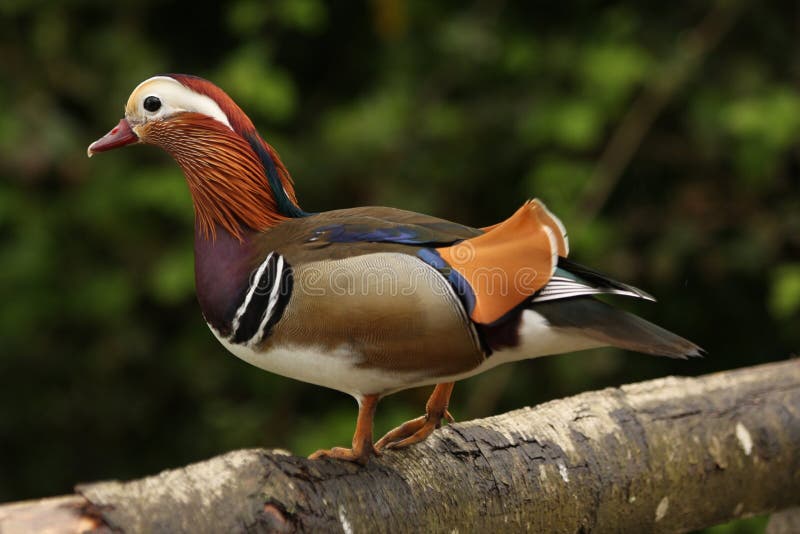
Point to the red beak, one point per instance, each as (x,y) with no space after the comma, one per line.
(121,135)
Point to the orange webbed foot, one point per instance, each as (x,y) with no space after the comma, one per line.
(420,428)
(412,431)
(362,439)
(348,455)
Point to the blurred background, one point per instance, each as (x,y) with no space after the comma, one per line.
(662,134)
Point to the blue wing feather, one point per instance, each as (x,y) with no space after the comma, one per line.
(429,233)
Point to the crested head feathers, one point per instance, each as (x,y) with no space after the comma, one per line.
(237,180)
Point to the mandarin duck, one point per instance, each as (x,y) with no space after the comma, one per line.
(369,300)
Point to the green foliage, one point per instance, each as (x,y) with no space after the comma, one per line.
(784,299)
(257,85)
(463,111)
(750,525)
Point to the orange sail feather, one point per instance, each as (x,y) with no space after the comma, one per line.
(510,262)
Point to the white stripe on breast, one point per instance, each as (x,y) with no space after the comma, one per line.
(273,299)
(253,286)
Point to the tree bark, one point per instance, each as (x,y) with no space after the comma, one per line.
(668,455)
(785,522)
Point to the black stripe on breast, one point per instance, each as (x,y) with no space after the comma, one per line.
(269,294)
(284,293)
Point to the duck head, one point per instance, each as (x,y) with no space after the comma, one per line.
(236,179)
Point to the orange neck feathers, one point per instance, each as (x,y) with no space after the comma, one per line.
(236,179)
(228,181)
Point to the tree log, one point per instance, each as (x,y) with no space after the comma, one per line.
(785,522)
(668,455)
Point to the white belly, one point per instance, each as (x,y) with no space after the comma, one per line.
(338,369)
(335,369)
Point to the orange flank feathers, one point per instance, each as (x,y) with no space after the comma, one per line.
(511,261)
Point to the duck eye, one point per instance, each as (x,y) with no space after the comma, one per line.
(152,103)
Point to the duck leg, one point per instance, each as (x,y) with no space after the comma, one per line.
(362,438)
(420,428)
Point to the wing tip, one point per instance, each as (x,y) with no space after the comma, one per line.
(697,352)
(644,295)
(686,350)
(601,281)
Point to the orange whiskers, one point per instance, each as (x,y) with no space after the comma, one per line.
(226,178)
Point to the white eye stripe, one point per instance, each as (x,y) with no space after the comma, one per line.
(175,98)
